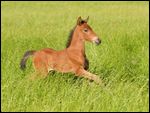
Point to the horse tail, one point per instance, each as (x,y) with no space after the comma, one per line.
(25,57)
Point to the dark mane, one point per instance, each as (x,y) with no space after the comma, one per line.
(70,37)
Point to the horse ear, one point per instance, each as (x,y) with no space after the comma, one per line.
(79,20)
(87,19)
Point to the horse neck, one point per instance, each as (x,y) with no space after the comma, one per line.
(77,42)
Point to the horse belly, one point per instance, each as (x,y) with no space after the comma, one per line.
(60,62)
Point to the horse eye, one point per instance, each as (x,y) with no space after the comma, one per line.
(85,30)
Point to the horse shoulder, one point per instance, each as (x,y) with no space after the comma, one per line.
(76,57)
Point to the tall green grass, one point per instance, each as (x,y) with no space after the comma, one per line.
(121,59)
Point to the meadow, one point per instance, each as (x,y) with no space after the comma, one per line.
(121,60)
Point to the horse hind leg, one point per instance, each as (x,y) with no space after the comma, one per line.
(42,73)
(40,70)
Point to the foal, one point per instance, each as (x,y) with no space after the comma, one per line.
(71,59)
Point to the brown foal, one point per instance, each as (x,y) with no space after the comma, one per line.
(71,59)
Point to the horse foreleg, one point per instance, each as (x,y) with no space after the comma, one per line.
(88,75)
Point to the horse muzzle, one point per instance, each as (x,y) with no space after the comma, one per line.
(97,41)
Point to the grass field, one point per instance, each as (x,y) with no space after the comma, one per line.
(121,59)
